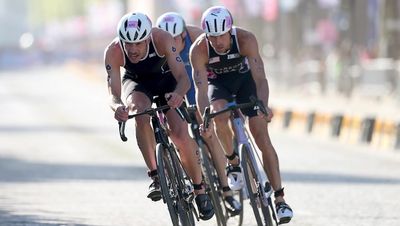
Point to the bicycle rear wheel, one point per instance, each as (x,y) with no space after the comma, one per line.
(254,187)
(168,182)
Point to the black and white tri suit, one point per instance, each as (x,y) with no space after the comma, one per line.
(229,74)
(151,75)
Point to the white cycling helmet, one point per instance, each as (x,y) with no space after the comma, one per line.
(171,22)
(134,27)
(216,21)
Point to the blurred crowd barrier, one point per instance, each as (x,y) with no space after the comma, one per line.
(376,79)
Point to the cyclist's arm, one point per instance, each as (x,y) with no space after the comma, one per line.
(249,48)
(112,63)
(198,59)
(166,45)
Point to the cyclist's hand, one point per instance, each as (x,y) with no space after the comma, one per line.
(174,99)
(269,115)
(121,114)
(206,132)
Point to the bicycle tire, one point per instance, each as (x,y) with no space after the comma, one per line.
(238,195)
(253,182)
(228,219)
(168,179)
(185,208)
(212,186)
(238,219)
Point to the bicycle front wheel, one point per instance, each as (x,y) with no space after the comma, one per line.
(167,181)
(213,186)
(184,203)
(254,187)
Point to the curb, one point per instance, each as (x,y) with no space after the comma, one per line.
(374,131)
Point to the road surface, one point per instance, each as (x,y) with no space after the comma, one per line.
(62,163)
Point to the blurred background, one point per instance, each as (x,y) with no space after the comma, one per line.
(313,47)
(333,71)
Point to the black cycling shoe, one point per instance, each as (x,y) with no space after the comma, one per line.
(205,207)
(154,190)
(233,206)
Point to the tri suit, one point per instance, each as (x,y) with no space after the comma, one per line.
(230,75)
(151,75)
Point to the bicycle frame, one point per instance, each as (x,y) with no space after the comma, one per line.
(174,188)
(249,162)
(214,186)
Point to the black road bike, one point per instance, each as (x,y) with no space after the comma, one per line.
(176,186)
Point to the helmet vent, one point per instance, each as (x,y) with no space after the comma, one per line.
(215,25)
(208,27)
(143,35)
(174,30)
(122,35)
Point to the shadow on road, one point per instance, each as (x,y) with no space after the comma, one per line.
(8,218)
(54,128)
(16,170)
(307,177)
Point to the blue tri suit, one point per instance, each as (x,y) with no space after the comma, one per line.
(184,54)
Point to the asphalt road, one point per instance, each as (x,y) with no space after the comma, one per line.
(62,163)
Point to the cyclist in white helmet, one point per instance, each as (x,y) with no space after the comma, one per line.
(152,67)
(184,35)
(226,62)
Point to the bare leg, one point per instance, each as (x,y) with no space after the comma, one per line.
(259,130)
(188,149)
(224,131)
(144,133)
(219,159)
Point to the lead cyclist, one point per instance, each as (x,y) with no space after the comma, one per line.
(152,68)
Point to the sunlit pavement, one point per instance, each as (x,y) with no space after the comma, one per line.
(62,163)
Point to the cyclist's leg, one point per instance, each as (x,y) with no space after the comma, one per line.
(188,150)
(138,98)
(219,95)
(220,92)
(179,133)
(259,130)
(189,154)
(220,161)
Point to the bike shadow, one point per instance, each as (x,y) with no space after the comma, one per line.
(17,170)
(311,177)
(10,218)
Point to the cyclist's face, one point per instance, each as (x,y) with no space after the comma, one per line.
(136,51)
(221,43)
